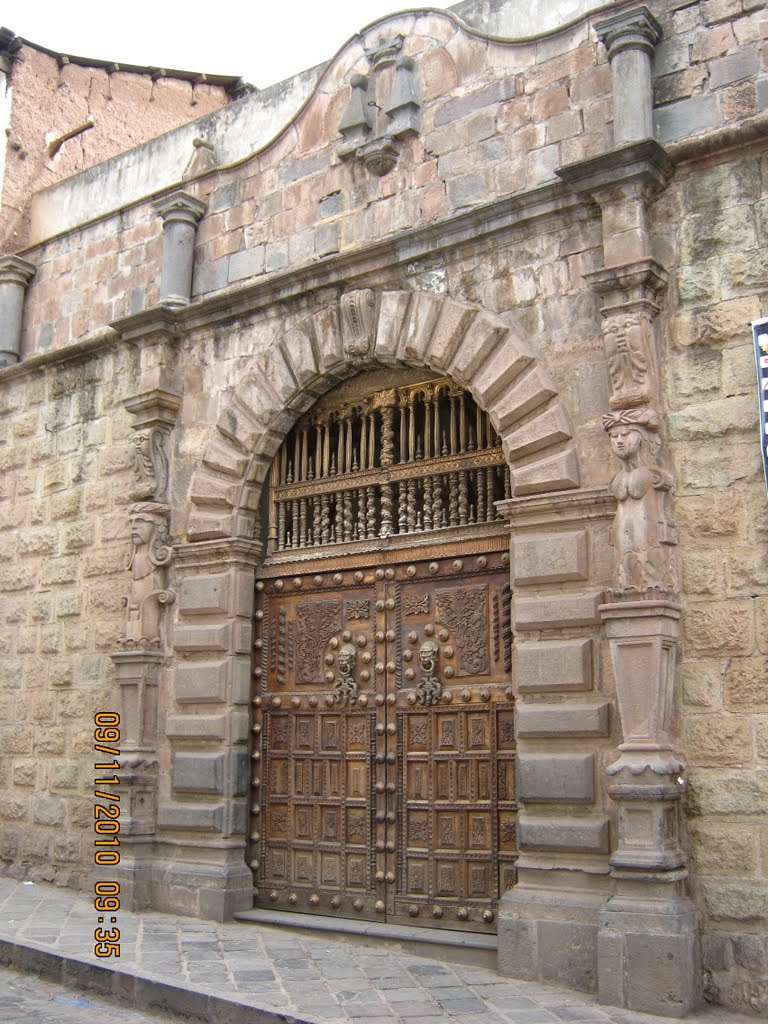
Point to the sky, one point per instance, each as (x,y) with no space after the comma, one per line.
(261,42)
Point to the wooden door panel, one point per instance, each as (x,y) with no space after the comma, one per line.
(379,801)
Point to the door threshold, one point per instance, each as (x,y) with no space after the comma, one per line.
(437,943)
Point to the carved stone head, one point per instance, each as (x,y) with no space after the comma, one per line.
(634,434)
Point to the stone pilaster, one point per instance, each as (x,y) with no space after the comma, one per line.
(15,275)
(630,39)
(139,662)
(559,558)
(180,213)
(204,797)
(646,947)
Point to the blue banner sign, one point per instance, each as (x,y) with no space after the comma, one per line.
(760,331)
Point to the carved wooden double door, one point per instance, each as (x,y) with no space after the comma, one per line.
(383,752)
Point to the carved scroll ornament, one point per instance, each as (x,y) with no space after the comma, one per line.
(464,611)
(644,534)
(358,320)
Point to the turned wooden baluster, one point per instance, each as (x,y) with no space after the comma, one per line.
(427,505)
(370,514)
(303,523)
(317,536)
(361,531)
(463,499)
(491,513)
(384,400)
(325,519)
(402,508)
(453,499)
(347,514)
(281,526)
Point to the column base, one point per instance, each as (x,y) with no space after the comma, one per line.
(648,955)
(550,936)
(134,873)
(207,883)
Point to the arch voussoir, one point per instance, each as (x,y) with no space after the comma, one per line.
(473,345)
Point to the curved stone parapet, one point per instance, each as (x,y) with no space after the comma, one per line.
(475,347)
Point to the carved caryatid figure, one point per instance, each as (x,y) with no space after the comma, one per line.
(345,687)
(430,689)
(150,554)
(643,534)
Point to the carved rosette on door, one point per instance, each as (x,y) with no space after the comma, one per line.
(383,754)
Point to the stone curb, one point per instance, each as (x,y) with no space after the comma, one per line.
(139,991)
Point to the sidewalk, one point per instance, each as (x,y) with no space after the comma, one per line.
(251,974)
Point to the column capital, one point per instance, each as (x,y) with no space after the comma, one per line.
(15,270)
(156,407)
(630,30)
(180,206)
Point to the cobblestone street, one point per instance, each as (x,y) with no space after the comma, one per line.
(237,973)
(26,999)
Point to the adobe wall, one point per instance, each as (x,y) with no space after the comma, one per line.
(474,215)
(46,100)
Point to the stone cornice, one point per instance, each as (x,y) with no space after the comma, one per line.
(213,554)
(547,511)
(354,268)
(645,163)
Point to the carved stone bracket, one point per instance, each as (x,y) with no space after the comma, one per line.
(154,414)
(383,108)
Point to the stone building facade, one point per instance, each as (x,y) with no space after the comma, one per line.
(397,479)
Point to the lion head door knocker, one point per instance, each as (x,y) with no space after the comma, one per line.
(345,686)
(429,689)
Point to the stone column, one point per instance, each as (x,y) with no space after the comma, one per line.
(15,275)
(630,38)
(181,213)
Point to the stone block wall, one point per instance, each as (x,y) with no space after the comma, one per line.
(63,544)
(711,67)
(722,513)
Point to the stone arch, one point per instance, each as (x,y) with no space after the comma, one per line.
(392,328)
